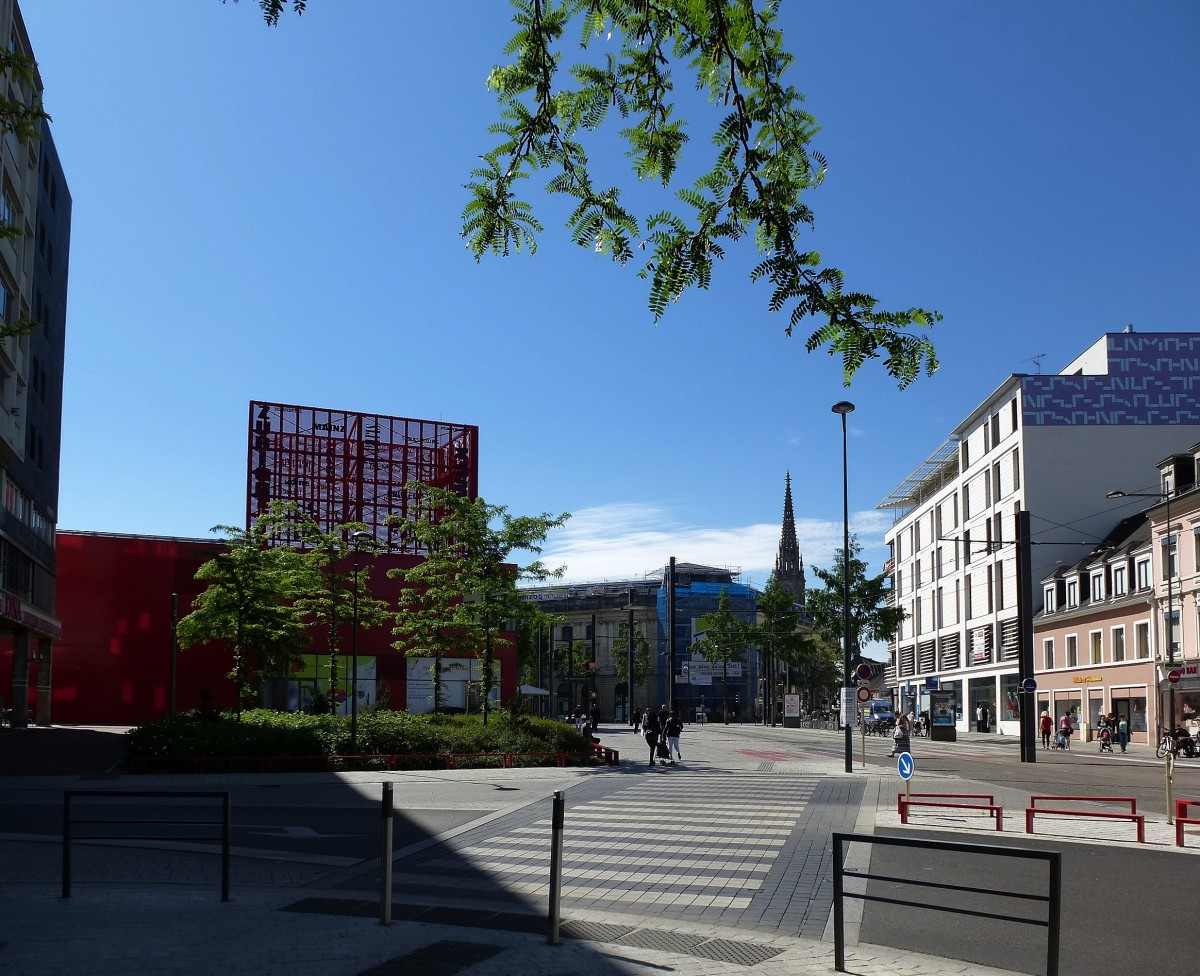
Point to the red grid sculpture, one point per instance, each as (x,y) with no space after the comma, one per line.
(341,466)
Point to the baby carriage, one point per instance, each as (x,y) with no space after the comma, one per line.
(1106,739)
(1061,741)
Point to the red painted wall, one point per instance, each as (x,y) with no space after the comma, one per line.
(113,664)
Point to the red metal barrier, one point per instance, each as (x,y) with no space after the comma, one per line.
(1138,818)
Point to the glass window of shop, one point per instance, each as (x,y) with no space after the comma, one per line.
(1187,709)
(981,698)
(1095,706)
(1130,704)
(1010,701)
(955,687)
(1068,703)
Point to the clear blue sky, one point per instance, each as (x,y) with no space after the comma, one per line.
(274,214)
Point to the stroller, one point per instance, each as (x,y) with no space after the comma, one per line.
(1105,739)
(1061,741)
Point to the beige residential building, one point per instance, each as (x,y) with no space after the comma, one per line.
(1051,445)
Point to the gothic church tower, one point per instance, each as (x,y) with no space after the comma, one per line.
(789,564)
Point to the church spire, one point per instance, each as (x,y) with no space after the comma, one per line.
(789,564)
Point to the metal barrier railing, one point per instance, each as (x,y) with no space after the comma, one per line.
(115,828)
(1052,899)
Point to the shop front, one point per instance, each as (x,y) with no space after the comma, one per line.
(1088,697)
(1183,692)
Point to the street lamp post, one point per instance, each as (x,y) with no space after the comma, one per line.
(629,665)
(357,538)
(1169,627)
(842,408)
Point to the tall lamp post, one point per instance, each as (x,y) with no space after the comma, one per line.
(357,539)
(1169,629)
(844,407)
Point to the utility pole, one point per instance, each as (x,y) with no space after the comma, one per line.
(671,632)
(1027,700)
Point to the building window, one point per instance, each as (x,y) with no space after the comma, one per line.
(1048,599)
(1118,581)
(966,463)
(1072,651)
(1170,554)
(1016,463)
(996,481)
(990,584)
(1096,639)
(1013,411)
(1048,654)
(1142,568)
(999,585)
(941,617)
(1172,623)
(1118,643)
(967,546)
(967,600)
(995,429)
(1141,640)
(1072,593)
(1097,592)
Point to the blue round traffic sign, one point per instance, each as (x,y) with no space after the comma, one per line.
(1029,685)
(905,765)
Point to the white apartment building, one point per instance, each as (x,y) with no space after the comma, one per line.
(1054,445)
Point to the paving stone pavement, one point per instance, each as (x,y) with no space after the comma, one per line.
(472,904)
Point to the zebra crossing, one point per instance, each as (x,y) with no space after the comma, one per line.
(688,839)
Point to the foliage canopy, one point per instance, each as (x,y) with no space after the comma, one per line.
(761,161)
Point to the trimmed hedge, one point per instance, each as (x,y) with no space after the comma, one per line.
(262,734)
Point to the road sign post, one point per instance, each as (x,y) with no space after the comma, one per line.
(906,767)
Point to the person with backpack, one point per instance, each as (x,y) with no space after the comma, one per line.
(673,730)
(650,731)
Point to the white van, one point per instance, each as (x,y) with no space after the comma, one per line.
(874,711)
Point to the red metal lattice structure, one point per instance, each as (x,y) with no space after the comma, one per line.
(342,466)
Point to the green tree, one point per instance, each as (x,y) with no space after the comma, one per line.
(465,590)
(781,638)
(752,186)
(643,666)
(871,619)
(332,590)
(249,601)
(569,662)
(725,639)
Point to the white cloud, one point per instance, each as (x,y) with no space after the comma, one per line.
(628,540)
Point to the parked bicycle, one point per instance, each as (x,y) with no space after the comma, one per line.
(1177,743)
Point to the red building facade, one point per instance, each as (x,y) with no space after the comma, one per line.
(118,596)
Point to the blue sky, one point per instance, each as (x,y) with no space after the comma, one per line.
(274,214)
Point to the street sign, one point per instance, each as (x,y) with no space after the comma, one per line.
(864,694)
(905,766)
(1029,686)
(863,672)
(1174,675)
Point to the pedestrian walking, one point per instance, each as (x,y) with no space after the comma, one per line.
(1123,732)
(1047,726)
(650,731)
(674,729)
(901,736)
(1065,728)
